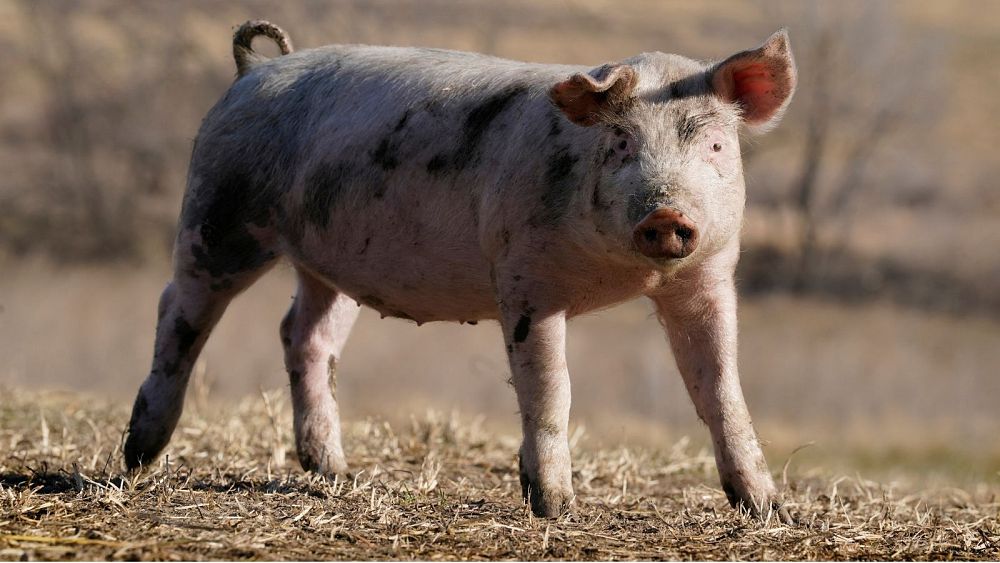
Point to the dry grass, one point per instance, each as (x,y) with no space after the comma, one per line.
(440,489)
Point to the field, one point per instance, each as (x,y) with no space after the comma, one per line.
(869,306)
(439,488)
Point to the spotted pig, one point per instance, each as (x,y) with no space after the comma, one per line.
(436,185)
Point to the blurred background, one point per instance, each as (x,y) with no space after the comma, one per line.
(870,313)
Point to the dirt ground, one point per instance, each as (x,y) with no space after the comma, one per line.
(442,488)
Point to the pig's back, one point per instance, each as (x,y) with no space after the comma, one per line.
(394,148)
(375,117)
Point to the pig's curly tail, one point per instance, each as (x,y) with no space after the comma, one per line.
(243,43)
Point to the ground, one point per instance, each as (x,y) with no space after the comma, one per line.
(443,488)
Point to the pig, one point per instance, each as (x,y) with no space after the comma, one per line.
(435,185)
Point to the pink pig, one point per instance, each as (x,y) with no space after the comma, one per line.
(436,185)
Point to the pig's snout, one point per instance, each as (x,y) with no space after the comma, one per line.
(666,233)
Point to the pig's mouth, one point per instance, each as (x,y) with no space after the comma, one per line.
(664,265)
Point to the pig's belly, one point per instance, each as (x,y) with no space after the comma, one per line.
(446,282)
(408,270)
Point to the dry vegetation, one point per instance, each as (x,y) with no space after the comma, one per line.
(439,489)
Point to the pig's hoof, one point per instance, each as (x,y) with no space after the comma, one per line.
(143,446)
(783,514)
(320,460)
(317,444)
(328,465)
(546,502)
(761,505)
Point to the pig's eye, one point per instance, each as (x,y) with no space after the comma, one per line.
(623,148)
(717,147)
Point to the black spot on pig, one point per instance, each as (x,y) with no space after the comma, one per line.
(560,166)
(522,329)
(555,127)
(241,254)
(372,301)
(437,163)
(595,198)
(478,121)
(222,212)
(384,156)
(186,337)
(323,187)
(294,376)
(560,185)
(402,122)
(608,155)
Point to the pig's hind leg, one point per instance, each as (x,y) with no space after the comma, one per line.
(211,266)
(313,334)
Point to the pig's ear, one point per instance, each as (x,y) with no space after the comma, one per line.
(585,98)
(761,81)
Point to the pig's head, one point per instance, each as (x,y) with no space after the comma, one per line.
(670,184)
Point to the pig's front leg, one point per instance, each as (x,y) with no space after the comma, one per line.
(700,319)
(536,348)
